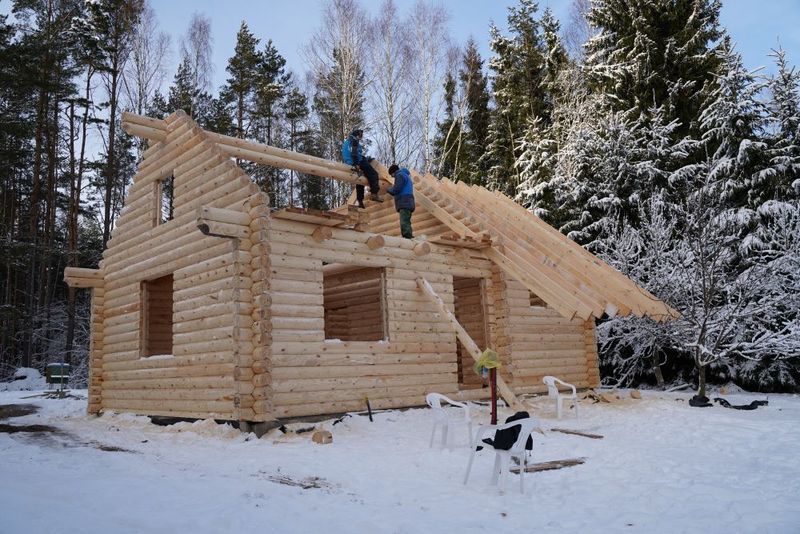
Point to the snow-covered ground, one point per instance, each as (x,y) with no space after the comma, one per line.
(662,466)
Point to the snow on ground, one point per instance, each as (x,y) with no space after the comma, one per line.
(661,467)
(25,379)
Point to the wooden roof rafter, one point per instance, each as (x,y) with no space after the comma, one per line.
(568,277)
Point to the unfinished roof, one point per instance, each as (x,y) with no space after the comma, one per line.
(570,279)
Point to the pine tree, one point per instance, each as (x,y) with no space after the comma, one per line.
(297,113)
(240,88)
(555,59)
(158,106)
(217,117)
(270,86)
(112,22)
(44,67)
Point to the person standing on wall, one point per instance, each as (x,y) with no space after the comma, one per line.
(353,154)
(403,193)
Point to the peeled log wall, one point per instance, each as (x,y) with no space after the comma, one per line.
(213,370)
(541,342)
(314,376)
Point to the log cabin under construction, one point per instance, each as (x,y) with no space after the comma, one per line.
(231,310)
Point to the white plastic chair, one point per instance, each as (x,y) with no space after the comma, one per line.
(445,418)
(502,458)
(553,393)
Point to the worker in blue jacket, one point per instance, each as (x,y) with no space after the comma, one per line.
(353,155)
(403,193)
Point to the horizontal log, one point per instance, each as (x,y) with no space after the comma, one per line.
(176,408)
(284,373)
(337,395)
(218,370)
(327,359)
(212,358)
(221,229)
(363,347)
(224,215)
(173,382)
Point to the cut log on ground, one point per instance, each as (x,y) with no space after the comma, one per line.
(549,466)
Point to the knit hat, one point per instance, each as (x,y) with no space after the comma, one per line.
(393,168)
(358,132)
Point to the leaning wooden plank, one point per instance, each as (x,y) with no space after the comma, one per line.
(505,391)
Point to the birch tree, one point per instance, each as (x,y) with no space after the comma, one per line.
(335,57)
(429,48)
(196,47)
(145,72)
(390,93)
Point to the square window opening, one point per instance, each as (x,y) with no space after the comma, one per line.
(156,325)
(355,302)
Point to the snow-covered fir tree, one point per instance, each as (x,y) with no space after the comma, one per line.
(518,76)
(655,54)
(730,122)
(780,177)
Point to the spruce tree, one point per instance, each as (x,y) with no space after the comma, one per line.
(182,92)
(654,54)
(476,118)
(519,87)
(780,177)
(731,120)
(448,143)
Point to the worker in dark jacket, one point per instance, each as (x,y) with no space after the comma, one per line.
(353,154)
(403,193)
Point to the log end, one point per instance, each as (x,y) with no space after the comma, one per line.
(422,248)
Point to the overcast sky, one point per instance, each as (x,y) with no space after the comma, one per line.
(756,25)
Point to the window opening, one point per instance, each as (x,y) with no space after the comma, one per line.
(354,301)
(156,325)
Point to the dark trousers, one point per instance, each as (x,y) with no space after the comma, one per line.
(405,224)
(372,177)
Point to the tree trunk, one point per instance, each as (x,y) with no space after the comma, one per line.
(657,371)
(110,167)
(701,380)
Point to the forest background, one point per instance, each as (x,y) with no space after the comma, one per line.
(633,127)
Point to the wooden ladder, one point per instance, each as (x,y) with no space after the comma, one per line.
(505,391)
